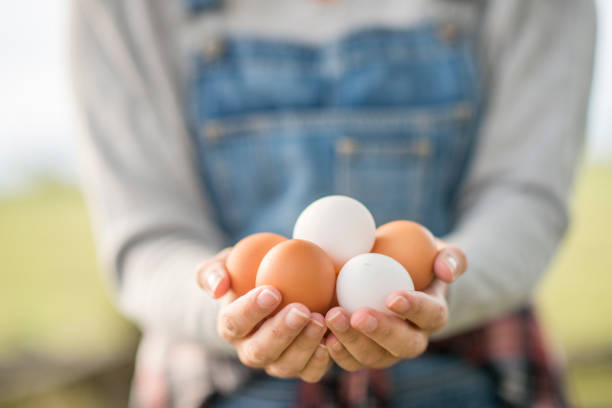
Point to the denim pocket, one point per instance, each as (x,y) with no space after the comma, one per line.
(263,169)
(387,175)
(397,167)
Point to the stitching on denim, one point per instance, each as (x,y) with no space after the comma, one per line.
(422,118)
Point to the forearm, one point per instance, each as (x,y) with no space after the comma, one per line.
(158,290)
(512,208)
(152,222)
(509,241)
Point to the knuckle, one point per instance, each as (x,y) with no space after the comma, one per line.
(277,333)
(254,356)
(385,331)
(352,336)
(333,352)
(378,362)
(411,348)
(408,349)
(227,327)
(244,359)
(441,316)
(417,346)
(312,376)
(250,311)
(344,355)
(370,359)
(282,371)
(422,346)
(417,307)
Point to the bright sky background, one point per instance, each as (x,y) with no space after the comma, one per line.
(37,119)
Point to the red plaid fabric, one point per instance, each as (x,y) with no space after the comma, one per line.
(512,349)
(516,352)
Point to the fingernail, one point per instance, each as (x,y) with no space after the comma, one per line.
(339,321)
(296,318)
(318,323)
(451,262)
(321,351)
(213,278)
(267,299)
(399,304)
(367,323)
(314,330)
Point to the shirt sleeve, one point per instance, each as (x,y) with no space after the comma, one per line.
(513,207)
(151,221)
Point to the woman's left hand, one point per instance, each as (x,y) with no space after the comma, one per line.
(372,339)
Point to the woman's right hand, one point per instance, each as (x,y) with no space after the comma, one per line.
(286,345)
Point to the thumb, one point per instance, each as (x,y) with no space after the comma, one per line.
(450,263)
(213,278)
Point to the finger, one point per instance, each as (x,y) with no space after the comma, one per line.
(364,349)
(437,289)
(213,278)
(440,244)
(224,254)
(392,333)
(426,310)
(273,337)
(317,366)
(295,357)
(450,263)
(340,354)
(239,317)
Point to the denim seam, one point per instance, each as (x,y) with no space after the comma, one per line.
(361,118)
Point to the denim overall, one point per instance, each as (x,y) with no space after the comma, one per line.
(387,116)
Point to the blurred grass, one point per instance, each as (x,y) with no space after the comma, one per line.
(575,297)
(53,301)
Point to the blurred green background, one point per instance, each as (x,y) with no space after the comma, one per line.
(63,345)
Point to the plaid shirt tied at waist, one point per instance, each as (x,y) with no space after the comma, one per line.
(511,349)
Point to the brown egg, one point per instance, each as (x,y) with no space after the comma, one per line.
(302,272)
(244,259)
(412,245)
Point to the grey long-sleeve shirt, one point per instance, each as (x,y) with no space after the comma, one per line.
(153,223)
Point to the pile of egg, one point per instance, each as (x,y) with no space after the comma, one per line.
(336,255)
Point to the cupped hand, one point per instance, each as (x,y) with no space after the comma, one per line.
(286,345)
(372,339)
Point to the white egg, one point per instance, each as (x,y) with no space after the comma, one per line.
(342,226)
(367,279)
